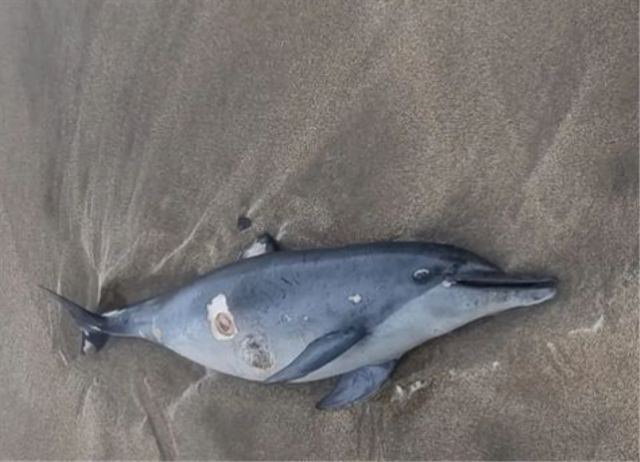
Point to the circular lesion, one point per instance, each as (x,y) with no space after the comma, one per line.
(221,321)
(256,353)
(224,324)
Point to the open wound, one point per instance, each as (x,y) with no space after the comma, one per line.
(222,324)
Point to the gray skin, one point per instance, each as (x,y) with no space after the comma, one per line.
(313,314)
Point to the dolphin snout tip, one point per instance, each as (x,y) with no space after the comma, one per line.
(543,290)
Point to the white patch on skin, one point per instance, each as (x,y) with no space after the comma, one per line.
(305,318)
(285,317)
(110,314)
(355,299)
(495,365)
(421,273)
(223,326)
(156,331)
(589,330)
(447,283)
(257,248)
(87,346)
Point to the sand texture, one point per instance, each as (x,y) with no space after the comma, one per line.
(134,133)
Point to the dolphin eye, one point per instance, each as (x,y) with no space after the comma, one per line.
(421,275)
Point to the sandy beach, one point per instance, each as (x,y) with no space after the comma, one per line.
(135,133)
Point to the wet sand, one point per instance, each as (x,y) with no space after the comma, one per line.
(133,135)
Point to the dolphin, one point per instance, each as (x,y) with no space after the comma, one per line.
(351,312)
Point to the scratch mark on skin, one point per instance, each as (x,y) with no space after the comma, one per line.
(282,293)
(285,317)
(595,327)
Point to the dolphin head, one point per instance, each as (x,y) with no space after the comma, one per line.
(458,291)
(457,301)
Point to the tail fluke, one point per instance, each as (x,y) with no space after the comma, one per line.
(93,325)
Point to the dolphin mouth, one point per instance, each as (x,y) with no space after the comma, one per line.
(497,292)
(507,281)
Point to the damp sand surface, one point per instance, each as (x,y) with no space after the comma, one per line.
(134,134)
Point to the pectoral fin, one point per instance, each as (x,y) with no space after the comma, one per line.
(358,386)
(318,353)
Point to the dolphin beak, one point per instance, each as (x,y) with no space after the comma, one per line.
(508,290)
(494,280)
